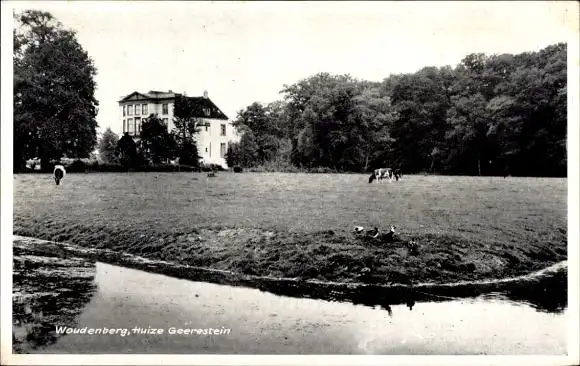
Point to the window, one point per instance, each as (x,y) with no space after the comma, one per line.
(165,121)
(137,126)
(223,130)
(144,109)
(130,126)
(137,109)
(165,108)
(206,149)
(129,110)
(123,111)
(207,112)
(124,126)
(223,150)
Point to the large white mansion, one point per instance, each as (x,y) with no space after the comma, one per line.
(216,132)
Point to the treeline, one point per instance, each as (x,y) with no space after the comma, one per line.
(490,115)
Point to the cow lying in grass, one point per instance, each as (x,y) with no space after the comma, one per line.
(385,173)
(59,173)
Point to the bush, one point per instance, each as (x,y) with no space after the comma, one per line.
(107,168)
(238,169)
(77,166)
(321,170)
(212,167)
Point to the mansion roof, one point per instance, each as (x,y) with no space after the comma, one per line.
(202,103)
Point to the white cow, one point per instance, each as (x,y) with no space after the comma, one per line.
(59,173)
(380,174)
(385,173)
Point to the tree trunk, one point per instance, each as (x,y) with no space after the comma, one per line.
(479,163)
(366,162)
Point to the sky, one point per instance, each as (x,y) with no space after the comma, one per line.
(242,52)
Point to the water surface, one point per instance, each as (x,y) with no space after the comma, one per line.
(264,323)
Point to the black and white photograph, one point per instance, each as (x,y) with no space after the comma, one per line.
(293,182)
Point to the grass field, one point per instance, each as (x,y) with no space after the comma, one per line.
(299,225)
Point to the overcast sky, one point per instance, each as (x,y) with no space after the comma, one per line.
(243,52)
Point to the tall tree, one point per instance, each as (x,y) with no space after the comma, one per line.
(54,103)
(372,136)
(186,128)
(243,153)
(157,144)
(107,146)
(126,152)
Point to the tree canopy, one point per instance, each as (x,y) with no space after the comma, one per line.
(489,115)
(54,102)
(107,146)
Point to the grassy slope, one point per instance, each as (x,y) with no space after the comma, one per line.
(298,225)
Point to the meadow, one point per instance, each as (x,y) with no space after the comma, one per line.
(300,225)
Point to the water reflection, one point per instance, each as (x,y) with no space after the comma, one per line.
(546,293)
(265,323)
(47,290)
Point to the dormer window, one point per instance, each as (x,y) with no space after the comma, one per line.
(206,112)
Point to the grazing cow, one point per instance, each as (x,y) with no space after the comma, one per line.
(59,173)
(398,174)
(382,173)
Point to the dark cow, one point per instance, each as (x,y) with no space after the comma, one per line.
(398,174)
(59,173)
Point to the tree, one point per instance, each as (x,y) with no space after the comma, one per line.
(243,153)
(186,127)
(126,151)
(421,100)
(107,146)
(469,120)
(254,117)
(268,131)
(157,144)
(233,154)
(188,153)
(54,103)
(374,116)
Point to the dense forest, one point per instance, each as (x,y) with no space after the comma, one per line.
(490,115)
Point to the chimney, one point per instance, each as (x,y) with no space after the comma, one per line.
(185,94)
(171,91)
(205,94)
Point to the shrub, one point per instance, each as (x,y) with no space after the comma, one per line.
(321,170)
(212,167)
(77,166)
(238,169)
